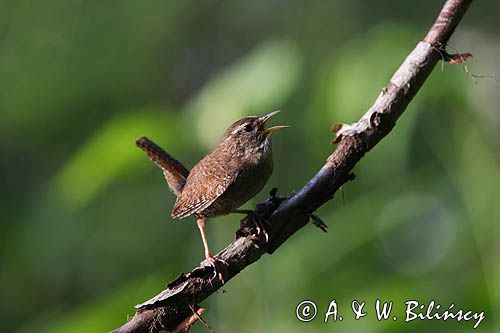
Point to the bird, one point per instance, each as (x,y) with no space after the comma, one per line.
(231,174)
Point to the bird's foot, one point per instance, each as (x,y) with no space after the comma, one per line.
(215,263)
(260,224)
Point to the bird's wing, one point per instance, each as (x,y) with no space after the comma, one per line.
(175,173)
(203,187)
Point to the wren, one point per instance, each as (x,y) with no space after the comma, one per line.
(234,172)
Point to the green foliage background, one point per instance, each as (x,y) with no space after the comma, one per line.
(85,231)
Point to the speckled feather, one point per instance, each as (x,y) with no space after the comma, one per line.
(234,172)
(209,180)
(175,173)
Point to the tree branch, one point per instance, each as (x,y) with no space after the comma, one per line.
(172,306)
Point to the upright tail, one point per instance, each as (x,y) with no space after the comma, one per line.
(175,173)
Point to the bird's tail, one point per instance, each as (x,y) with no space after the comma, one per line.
(175,173)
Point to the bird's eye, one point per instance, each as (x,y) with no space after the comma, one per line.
(248,128)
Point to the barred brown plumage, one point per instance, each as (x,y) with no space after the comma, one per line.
(234,172)
(175,173)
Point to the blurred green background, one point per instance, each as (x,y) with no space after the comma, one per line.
(85,228)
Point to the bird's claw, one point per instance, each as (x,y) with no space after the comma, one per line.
(260,224)
(214,262)
(261,230)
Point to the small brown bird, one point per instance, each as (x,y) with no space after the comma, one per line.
(235,171)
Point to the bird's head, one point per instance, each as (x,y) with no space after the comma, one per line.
(249,135)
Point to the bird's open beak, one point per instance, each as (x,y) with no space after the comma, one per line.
(270,129)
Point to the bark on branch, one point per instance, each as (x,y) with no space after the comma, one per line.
(174,305)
